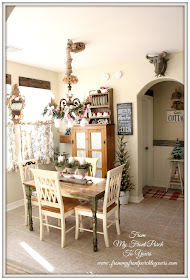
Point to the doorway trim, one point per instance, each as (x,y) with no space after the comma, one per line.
(140,146)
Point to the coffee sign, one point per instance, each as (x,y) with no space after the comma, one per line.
(175,116)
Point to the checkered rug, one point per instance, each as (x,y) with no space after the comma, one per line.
(170,195)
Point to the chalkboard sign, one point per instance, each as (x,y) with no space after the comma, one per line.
(124,119)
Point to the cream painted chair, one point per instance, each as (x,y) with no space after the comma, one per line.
(110,205)
(51,203)
(92,161)
(26,175)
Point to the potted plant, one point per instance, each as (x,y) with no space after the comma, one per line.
(59,166)
(57,114)
(122,158)
(71,166)
(83,168)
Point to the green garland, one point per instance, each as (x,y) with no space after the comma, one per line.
(84,166)
(59,164)
(72,164)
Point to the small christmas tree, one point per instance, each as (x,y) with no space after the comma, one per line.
(177,152)
(122,158)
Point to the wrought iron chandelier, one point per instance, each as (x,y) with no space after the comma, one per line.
(70,110)
(70,105)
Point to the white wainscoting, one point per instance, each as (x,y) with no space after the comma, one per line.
(162,166)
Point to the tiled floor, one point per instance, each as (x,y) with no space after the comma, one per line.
(158,220)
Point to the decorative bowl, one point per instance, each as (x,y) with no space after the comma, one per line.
(83,171)
(59,168)
(71,170)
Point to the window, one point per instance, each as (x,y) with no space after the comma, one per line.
(36,99)
(36,139)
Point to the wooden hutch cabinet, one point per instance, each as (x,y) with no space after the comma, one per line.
(96,141)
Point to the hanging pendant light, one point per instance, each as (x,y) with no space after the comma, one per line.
(71,104)
(70,110)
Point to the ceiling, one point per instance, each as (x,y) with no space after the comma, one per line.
(111,33)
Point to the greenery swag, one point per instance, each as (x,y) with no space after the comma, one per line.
(84,166)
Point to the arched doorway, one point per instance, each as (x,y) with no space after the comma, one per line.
(145,130)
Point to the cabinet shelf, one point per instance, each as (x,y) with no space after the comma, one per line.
(100,117)
(102,102)
(99,106)
(99,94)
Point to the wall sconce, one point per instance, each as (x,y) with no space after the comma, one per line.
(15,103)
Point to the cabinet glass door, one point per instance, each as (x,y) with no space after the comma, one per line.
(95,150)
(80,144)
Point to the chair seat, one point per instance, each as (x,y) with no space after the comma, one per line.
(87,208)
(69,204)
(33,198)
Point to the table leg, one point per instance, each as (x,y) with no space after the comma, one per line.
(93,202)
(28,196)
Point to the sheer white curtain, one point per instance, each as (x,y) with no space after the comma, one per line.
(37,141)
(11,160)
(35,132)
(10,143)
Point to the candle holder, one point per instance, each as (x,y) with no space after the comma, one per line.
(71,166)
(82,169)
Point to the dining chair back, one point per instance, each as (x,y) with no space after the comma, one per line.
(112,189)
(93,162)
(27,175)
(110,205)
(51,202)
(48,190)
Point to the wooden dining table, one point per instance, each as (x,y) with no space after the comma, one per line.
(90,192)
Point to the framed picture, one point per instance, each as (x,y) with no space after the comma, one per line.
(124,119)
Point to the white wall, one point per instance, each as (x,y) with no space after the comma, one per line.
(13,183)
(138,77)
(164,130)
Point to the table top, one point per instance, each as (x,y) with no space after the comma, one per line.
(93,190)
